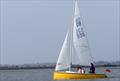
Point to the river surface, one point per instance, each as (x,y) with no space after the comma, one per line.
(47,75)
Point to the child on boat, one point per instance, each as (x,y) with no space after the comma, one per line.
(81,70)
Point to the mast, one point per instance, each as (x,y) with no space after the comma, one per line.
(71,38)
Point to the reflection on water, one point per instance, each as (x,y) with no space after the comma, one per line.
(47,74)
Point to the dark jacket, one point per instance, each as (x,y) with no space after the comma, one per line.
(92,68)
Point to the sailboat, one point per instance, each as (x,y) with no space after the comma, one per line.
(75,44)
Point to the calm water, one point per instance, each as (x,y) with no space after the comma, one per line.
(47,74)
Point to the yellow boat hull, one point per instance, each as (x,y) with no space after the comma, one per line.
(65,75)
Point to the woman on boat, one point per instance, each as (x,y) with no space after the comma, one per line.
(81,70)
(92,68)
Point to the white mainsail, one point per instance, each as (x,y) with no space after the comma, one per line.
(80,42)
(63,62)
(79,45)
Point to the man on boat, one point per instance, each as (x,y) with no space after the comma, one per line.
(81,70)
(92,68)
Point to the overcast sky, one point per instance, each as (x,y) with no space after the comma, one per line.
(33,31)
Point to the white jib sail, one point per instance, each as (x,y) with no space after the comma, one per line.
(80,42)
(63,62)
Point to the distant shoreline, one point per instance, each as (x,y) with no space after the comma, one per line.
(49,67)
(52,65)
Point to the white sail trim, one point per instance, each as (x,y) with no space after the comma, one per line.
(63,62)
(80,42)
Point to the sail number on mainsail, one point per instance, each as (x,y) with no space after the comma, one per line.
(79,30)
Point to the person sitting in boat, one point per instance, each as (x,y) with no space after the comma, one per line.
(81,70)
(92,68)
